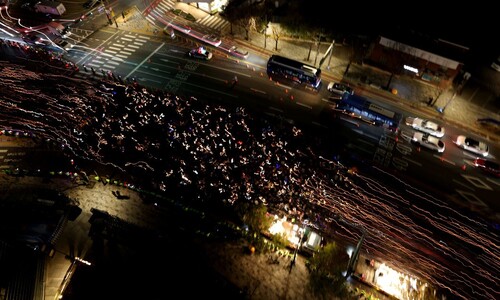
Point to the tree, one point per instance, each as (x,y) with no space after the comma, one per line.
(263,15)
(231,13)
(237,13)
(280,240)
(248,23)
(256,218)
(327,267)
(318,36)
(277,33)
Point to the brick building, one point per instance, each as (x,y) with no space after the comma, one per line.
(432,60)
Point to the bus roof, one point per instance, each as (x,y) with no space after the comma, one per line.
(294,64)
(364,103)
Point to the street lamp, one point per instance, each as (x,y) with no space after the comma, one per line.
(292,263)
(355,254)
(458,90)
(265,33)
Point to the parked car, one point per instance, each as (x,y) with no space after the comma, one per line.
(425,126)
(472,145)
(488,166)
(339,88)
(200,53)
(212,39)
(240,53)
(428,141)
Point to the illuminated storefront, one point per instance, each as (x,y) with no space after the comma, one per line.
(374,273)
(311,240)
(392,282)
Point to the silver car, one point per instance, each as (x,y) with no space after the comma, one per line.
(428,141)
(425,126)
(472,145)
(339,88)
(234,50)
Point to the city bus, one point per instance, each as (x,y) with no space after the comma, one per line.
(284,69)
(369,112)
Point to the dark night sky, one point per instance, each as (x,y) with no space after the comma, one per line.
(472,25)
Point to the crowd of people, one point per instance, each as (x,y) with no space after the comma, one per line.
(36,57)
(201,151)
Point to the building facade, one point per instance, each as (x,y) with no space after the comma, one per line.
(405,59)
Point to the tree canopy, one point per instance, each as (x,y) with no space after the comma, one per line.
(327,267)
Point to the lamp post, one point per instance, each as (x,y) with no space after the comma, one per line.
(317,48)
(441,109)
(330,56)
(458,90)
(265,33)
(355,255)
(292,263)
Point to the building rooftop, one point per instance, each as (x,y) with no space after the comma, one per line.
(427,42)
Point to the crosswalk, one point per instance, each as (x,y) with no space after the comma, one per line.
(163,7)
(117,52)
(160,10)
(214,22)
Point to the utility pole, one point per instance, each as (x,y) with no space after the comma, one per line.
(331,54)
(317,48)
(292,263)
(458,90)
(302,232)
(265,33)
(355,255)
(441,109)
